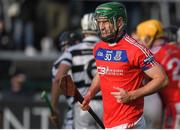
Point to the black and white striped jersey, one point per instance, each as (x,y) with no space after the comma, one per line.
(81,60)
(83,68)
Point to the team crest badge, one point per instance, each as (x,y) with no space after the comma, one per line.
(118,55)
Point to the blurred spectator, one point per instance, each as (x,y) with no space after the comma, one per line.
(57,16)
(171,33)
(28,14)
(4,37)
(47,45)
(21,14)
(16,26)
(52,18)
(17,90)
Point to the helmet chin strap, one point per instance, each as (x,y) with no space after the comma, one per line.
(120,33)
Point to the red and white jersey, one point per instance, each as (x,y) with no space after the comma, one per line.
(122,66)
(169,57)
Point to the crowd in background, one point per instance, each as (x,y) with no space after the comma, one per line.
(28,25)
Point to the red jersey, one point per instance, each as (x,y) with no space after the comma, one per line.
(122,66)
(169,57)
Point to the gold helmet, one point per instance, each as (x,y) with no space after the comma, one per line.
(151,28)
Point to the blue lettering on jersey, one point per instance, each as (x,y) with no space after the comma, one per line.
(111,55)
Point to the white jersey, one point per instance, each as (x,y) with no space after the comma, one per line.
(83,68)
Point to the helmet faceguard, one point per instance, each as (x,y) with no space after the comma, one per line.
(88,24)
(112,11)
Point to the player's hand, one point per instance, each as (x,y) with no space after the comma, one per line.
(85,104)
(54,118)
(121,95)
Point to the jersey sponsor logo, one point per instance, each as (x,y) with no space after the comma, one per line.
(148,60)
(111,55)
(102,70)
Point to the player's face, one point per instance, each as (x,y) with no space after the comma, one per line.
(105,26)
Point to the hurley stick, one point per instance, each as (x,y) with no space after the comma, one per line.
(44,97)
(69,89)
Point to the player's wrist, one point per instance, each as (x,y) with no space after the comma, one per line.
(89,95)
(132,95)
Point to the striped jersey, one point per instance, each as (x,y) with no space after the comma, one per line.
(81,60)
(122,66)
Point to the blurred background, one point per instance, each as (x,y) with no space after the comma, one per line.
(29,32)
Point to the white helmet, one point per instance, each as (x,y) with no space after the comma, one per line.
(88,23)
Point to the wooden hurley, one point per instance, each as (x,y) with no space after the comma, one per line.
(69,89)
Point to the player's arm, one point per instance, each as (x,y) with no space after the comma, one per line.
(145,60)
(92,91)
(158,80)
(55,90)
